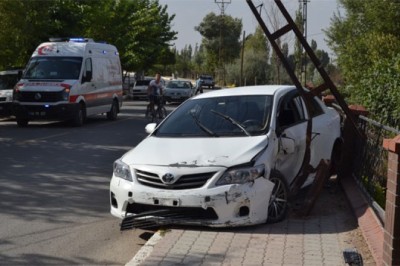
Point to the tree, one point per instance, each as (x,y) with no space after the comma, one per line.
(184,65)
(140,29)
(256,67)
(365,41)
(220,39)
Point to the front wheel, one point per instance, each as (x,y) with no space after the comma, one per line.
(22,122)
(113,113)
(80,116)
(278,203)
(162,112)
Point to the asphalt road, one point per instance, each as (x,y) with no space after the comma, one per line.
(54,191)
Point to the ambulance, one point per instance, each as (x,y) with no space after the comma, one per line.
(69,79)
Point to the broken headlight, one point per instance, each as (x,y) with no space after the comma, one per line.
(241,175)
(122,170)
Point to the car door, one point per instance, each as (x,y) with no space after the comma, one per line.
(291,128)
(322,129)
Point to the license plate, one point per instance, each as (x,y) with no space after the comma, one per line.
(167,202)
(37,113)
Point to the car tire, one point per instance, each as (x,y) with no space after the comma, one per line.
(80,116)
(278,204)
(22,122)
(336,157)
(113,113)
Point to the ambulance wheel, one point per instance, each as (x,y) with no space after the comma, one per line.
(112,114)
(22,122)
(80,116)
(278,203)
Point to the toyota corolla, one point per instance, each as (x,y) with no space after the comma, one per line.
(224,158)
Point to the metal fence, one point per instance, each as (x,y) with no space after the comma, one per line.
(370,162)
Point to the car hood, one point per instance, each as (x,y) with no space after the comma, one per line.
(45,85)
(195,152)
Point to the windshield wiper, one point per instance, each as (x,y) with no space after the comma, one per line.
(233,121)
(202,127)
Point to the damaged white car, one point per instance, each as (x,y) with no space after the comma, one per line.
(224,158)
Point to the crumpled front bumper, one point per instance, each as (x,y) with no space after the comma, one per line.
(222,206)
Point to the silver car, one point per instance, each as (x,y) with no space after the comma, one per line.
(178,91)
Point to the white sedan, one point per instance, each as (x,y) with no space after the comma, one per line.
(224,158)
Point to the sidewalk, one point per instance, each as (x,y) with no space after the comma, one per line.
(318,239)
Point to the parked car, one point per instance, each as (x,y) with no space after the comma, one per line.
(178,90)
(207,81)
(140,88)
(8,79)
(224,158)
(129,80)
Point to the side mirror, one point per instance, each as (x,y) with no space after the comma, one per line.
(150,128)
(287,145)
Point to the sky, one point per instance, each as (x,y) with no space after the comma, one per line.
(190,13)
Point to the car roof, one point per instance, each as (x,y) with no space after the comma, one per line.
(248,90)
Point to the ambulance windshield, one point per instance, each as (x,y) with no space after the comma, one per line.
(59,68)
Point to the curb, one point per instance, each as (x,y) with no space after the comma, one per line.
(368,222)
(145,251)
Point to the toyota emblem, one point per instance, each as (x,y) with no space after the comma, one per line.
(38,96)
(168,178)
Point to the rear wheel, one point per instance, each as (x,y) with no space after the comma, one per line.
(113,113)
(278,203)
(336,157)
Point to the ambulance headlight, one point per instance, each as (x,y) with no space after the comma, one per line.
(241,175)
(122,170)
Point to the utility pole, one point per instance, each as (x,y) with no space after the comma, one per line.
(304,60)
(222,6)
(241,60)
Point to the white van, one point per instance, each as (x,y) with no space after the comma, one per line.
(69,79)
(8,79)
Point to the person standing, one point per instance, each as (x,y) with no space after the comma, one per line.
(154,90)
(199,86)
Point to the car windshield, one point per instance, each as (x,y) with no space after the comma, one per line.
(144,82)
(8,81)
(53,68)
(178,85)
(219,117)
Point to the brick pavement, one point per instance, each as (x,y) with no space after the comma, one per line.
(318,239)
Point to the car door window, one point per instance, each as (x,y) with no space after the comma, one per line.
(291,111)
(315,108)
